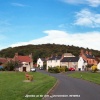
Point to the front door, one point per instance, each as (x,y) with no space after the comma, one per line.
(24,69)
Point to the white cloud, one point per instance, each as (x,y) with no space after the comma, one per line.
(87,18)
(93,3)
(89,39)
(18,4)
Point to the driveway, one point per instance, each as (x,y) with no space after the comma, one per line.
(73,89)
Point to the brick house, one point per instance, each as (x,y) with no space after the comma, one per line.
(86,58)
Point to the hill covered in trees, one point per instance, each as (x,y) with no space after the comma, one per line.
(44,50)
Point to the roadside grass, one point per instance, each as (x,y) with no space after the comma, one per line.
(12,86)
(89,76)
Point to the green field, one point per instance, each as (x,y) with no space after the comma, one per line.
(93,77)
(12,86)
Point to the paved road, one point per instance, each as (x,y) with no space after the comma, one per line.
(68,86)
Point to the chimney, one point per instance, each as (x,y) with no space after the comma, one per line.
(56,55)
(90,53)
(30,55)
(87,52)
(16,54)
(51,55)
(81,51)
(62,56)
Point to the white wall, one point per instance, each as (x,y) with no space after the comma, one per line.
(25,64)
(98,66)
(53,63)
(81,64)
(39,62)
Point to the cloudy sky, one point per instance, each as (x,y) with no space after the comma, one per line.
(69,22)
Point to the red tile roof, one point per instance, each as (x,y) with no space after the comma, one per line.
(23,58)
(3,60)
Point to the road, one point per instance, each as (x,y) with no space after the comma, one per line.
(68,87)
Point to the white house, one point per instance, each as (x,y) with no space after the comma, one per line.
(98,66)
(25,62)
(53,61)
(81,64)
(40,62)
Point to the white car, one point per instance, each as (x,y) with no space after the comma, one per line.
(33,69)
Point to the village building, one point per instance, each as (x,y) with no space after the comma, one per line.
(25,62)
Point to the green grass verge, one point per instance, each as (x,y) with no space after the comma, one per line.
(93,77)
(12,86)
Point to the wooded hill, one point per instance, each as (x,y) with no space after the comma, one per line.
(44,50)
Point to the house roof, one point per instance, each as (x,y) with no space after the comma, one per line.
(23,58)
(3,60)
(55,58)
(70,59)
(43,59)
(68,55)
(89,56)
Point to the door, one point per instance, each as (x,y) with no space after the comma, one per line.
(24,69)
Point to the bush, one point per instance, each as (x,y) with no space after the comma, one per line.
(57,69)
(44,66)
(54,69)
(62,69)
(66,69)
(94,68)
(1,69)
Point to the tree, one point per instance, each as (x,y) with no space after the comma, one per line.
(10,66)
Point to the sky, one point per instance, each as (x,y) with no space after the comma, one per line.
(69,22)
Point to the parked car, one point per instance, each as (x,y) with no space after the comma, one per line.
(71,69)
(41,68)
(33,69)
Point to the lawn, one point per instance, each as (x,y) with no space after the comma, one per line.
(93,77)
(12,86)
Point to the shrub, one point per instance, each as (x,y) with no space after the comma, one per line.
(62,69)
(66,69)
(50,69)
(44,66)
(54,69)
(1,69)
(94,68)
(88,66)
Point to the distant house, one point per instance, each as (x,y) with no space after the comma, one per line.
(40,62)
(67,55)
(81,64)
(53,61)
(3,61)
(25,62)
(70,62)
(86,58)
